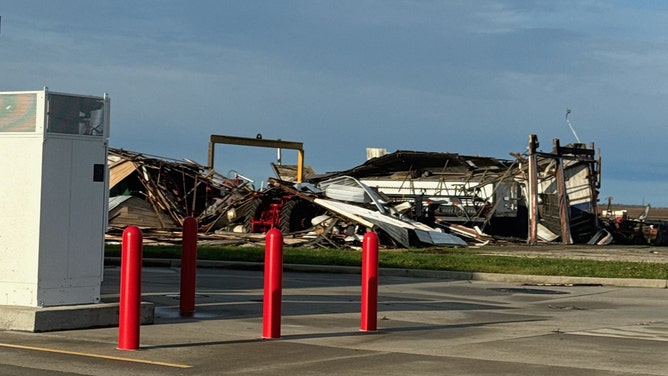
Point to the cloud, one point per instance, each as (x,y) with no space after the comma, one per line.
(457,76)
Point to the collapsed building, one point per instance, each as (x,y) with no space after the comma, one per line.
(484,198)
(410,198)
(448,190)
(157,194)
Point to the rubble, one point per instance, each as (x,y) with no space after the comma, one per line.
(622,228)
(352,208)
(410,198)
(158,194)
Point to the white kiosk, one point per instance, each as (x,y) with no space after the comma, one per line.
(53,205)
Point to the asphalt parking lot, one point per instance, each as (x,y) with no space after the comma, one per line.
(426,326)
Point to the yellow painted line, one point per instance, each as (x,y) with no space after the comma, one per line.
(109,357)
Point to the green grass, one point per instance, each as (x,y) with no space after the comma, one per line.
(442,259)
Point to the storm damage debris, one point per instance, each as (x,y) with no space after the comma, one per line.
(409,198)
(562,192)
(466,195)
(484,199)
(350,209)
(158,194)
(622,228)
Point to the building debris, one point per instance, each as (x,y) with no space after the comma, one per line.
(353,208)
(156,193)
(448,190)
(410,198)
(623,229)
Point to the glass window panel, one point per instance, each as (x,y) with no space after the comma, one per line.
(76,115)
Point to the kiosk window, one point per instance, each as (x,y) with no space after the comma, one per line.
(75,115)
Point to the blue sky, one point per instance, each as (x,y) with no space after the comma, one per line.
(467,77)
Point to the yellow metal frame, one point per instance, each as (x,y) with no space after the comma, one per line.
(259,142)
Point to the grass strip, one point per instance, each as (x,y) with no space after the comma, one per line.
(448,259)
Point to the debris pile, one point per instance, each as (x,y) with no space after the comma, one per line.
(410,198)
(624,229)
(158,194)
(350,209)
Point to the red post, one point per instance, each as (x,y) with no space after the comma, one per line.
(130,302)
(369,282)
(273,285)
(188,267)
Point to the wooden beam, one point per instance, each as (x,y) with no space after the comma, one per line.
(532,179)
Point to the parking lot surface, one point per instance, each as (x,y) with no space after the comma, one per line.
(426,326)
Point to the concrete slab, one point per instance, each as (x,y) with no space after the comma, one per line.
(46,319)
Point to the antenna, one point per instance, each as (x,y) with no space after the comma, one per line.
(568,111)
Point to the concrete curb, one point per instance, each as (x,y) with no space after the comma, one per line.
(421,273)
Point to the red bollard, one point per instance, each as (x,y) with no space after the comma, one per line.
(273,285)
(369,282)
(188,267)
(129,311)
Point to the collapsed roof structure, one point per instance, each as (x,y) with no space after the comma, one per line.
(540,196)
(156,193)
(447,188)
(411,198)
